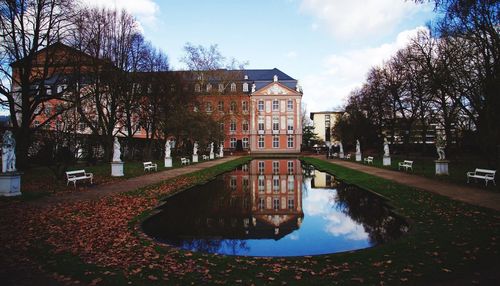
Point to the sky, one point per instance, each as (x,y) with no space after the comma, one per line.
(328,45)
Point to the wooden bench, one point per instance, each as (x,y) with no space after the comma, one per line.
(185,161)
(483,174)
(73,176)
(368,160)
(148,166)
(407,164)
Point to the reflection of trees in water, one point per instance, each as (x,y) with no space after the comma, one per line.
(365,208)
(215,245)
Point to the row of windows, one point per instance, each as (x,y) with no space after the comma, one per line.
(276,205)
(233,107)
(261,165)
(221,87)
(275,123)
(276,141)
(275,105)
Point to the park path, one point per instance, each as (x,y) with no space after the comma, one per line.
(466,194)
(98,191)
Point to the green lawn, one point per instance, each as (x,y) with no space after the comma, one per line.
(449,243)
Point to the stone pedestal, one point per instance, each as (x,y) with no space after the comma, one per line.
(341,155)
(168,162)
(442,167)
(358,157)
(212,156)
(195,158)
(221,154)
(117,169)
(386,160)
(10,184)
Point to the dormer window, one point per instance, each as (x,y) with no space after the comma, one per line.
(233,87)
(246,77)
(197,87)
(209,87)
(221,87)
(245,87)
(48,90)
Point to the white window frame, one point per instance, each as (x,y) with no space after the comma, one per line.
(233,142)
(245,87)
(260,105)
(245,142)
(289,141)
(276,105)
(289,105)
(276,141)
(233,87)
(261,142)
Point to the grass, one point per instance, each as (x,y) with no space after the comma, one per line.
(450,243)
(425,166)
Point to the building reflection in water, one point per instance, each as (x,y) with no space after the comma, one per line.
(258,209)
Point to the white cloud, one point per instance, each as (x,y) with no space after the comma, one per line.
(342,72)
(360,18)
(291,54)
(146,11)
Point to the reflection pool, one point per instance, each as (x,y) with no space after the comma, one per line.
(274,207)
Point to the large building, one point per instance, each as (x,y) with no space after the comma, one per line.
(258,110)
(323,121)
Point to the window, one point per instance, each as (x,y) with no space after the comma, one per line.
(221,126)
(244,126)
(290,141)
(261,185)
(197,87)
(289,123)
(245,142)
(289,105)
(233,142)
(261,141)
(276,204)
(61,88)
(291,203)
(245,87)
(289,167)
(232,183)
(261,166)
(244,105)
(276,167)
(48,90)
(276,184)
(220,106)
(262,203)
(261,105)
(291,183)
(196,107)
(232,126)
(233,87)
(276,141)
(233,106)
(276,123)
(261,123)
(221,87)
(209,87)
(208,107)
(245,183)
(276,105)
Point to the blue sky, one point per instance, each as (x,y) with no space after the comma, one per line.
(328,45)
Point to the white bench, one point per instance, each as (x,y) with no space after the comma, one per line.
(184,161)
(348,156)
(484,174)
(148,166)
(204,157)
(407,164)
(73,176)
(368,160)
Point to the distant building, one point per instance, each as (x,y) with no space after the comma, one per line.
(323,121)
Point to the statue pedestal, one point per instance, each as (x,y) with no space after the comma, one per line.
(212,156)
(10,184)
(358,157)
(168,162)
(341,155)
(442,167)
(117,169)
(221,154)
(386,160)
(195,158)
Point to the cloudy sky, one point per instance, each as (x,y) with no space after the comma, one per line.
(328,45)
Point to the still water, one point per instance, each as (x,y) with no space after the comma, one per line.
(274,207)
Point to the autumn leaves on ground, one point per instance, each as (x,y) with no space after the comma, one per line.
(100,243)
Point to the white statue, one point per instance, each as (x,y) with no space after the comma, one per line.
(211,147)
(116,151)
(167,149)
(341,148)
(275,78)
(8,152)
(440,144)
(358,146)
(195,148)
(386,148)
(253,87)
(221,149)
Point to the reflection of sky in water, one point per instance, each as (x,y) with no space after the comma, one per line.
(325,229)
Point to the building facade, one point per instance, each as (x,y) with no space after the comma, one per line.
(323,122)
